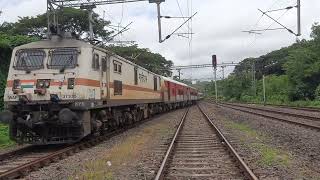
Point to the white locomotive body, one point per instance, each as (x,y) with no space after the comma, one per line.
(62,90)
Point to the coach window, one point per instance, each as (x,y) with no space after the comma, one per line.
(95,62)
(136,76)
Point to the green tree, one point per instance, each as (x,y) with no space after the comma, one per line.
(315,34)
(303,70)
(70,19)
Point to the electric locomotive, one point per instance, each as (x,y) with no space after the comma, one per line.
(61,90)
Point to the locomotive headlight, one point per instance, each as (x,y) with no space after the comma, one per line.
(47,83)
(43,83)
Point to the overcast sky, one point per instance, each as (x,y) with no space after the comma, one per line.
(217,27)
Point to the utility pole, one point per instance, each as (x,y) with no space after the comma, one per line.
(299,18)
(90,24)
(159,22)
(222,67)
(254,78)
(214,66)
(264,90)
(215,84)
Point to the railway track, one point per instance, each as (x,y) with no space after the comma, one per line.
(301,120)
(309,109)
(313,118)
(21,162)
(200,151)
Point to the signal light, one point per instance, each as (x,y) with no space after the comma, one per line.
(214,61)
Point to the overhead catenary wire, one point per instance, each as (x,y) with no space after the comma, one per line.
(289,30)
(180,10)
(264,14)
(168,36)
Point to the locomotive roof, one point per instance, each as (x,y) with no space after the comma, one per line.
(59,42)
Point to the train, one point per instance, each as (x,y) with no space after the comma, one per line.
(61,90)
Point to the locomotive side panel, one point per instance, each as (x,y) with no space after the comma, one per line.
(132,84)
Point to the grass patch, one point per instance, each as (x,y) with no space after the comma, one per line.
(120,155)
(270,156)
(243,128)
(4,138)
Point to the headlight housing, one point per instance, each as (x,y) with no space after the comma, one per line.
(43,83)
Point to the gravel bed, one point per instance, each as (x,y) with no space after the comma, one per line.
(299,146)
(120,157)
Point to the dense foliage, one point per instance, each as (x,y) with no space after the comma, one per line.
(291,74)
(70,20)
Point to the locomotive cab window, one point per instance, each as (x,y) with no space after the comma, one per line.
(117,67)
(29,59)
(64,58)
(95,62)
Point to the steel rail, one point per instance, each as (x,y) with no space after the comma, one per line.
(160,172)
(271,117)
(310,109)
(278,112)
(247,171)
(24,169)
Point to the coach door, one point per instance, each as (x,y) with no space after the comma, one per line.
(103,78)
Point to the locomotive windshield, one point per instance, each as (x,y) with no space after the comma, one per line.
(63,58)
(29,59)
